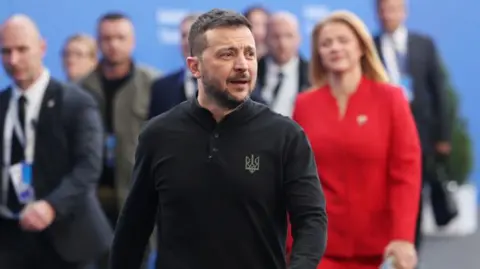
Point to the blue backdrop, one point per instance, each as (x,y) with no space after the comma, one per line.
(157,21)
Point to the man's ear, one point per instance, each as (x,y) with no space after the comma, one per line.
(193,64)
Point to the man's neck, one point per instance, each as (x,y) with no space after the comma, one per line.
(282,63)
(25,85)
(218,112)
(393,31)
(115,71)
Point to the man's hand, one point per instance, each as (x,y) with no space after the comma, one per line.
(403,253)
(37,216)
(443,148)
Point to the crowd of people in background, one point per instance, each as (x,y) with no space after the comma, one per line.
(84,133)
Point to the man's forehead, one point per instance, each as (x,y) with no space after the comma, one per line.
(120,25)
(16,36)
(238,37)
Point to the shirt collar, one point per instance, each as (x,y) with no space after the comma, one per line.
(288,67)
(205,118)
(36,90)
(399,35)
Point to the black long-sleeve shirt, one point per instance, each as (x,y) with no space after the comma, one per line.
(220,193)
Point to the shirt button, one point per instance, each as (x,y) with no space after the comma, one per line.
(215,135)
(215,149)
(209,156)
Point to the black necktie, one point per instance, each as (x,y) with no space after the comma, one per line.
(277,87)
(17,155)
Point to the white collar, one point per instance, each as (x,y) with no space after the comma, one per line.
(401,33)
(36,90)
(289,66)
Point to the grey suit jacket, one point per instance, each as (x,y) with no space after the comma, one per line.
(430,105)
(67,166)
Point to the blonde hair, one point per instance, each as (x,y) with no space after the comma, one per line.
(87,40)
(371,64)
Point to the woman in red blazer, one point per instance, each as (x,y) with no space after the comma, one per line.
(366,147)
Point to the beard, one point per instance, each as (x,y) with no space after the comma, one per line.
(221,97)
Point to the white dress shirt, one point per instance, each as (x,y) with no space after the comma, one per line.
(189,85)
(34,96)
(285,99)
(390,43)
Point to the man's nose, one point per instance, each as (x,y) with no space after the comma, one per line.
(13,58)
(241,63)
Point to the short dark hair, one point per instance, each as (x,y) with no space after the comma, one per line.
(213,19)
(248,12)
(113,16)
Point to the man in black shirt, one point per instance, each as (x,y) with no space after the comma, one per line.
(220,173)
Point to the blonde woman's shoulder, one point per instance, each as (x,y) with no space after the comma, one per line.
(391,90)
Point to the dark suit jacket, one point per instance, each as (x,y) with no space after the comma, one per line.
(67,166)
(429,105)
(303,81)
(169,91)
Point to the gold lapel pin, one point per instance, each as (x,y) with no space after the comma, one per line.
(362,119)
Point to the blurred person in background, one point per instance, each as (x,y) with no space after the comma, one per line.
(283,73)
(258,17)
(366,148)
(79,56)
(51,142)
(179,86)
(122,89)
(412,62)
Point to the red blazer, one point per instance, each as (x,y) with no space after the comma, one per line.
(369,165)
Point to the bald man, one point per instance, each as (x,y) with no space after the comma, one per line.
(282,73)
(50,145)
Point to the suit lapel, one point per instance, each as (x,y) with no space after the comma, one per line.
(48,117)
(4,102)
(378,46)
(262,73)
(410,53)
(179,86)
(303,80)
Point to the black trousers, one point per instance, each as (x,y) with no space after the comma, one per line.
(428,173)
(28,250)
(418,229)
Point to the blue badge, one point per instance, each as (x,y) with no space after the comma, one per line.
(110,145)
(27,173)
(25,192)
(407,85)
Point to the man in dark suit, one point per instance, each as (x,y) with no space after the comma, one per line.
(283,73)
(179,86)
(51,144)
(412,62)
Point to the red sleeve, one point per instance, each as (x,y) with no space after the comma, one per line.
(404,169)
(296,109)
(289,243)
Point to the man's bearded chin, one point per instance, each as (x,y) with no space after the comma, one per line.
(220,96)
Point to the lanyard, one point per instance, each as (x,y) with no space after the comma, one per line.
(12,127)
(401,59)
